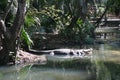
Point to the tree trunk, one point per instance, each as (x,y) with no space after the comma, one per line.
(10,35)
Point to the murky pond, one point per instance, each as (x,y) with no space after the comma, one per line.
(107,52)
(44,74)
(107,61)
(103,70)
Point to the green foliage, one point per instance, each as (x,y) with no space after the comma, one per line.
(50,18)
(26,38)
(58,15)
(85,29)
(114,6)
(29,21)
(89,40)
(32,18)
(79,33)
(3,4)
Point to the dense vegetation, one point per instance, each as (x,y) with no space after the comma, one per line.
(70,18)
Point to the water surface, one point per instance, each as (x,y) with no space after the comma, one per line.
(103,52)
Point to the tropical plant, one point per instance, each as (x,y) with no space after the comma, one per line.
(12,16)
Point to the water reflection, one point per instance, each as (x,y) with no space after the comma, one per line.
(34,73)
(102,72)
(105,62)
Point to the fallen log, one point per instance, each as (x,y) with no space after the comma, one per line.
(23,57)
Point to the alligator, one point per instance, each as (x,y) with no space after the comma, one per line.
(75,52)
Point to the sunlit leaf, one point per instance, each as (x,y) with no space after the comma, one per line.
(25,37)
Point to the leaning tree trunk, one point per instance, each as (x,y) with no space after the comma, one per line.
(9,36)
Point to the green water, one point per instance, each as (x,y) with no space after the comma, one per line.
(45,74)
(106,60)
(102,71)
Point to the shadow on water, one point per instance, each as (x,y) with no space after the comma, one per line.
(104,65)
